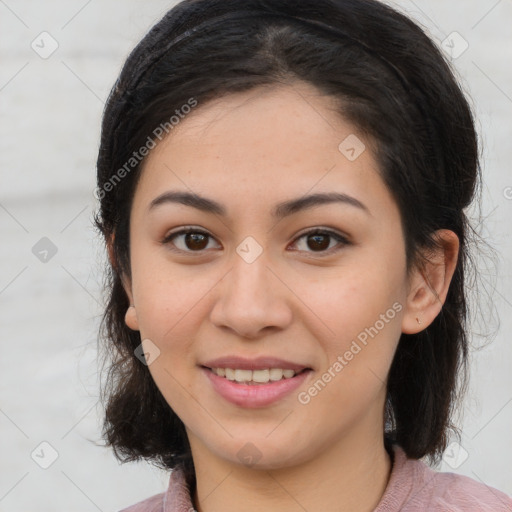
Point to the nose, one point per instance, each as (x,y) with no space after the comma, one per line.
(252,299)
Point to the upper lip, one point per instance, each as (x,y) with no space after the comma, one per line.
(257,363)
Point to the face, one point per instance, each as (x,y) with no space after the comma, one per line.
(267,276)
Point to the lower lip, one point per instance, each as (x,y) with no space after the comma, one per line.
(254,395)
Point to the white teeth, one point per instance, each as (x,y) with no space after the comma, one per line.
(254,376)
(243,375)
(261,375)
(276,374)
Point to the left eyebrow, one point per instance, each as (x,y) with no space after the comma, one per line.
(280,211)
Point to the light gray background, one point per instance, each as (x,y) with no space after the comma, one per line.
(50,112)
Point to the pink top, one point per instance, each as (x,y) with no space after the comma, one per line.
(413,487)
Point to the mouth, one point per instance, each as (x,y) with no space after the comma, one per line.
(255,388)
(253,382)
(255,377)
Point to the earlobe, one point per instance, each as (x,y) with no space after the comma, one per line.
(130,318)
(430,284)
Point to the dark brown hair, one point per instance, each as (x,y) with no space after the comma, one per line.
(394,85)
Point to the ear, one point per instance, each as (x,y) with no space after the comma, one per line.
(131,314)
(428,285)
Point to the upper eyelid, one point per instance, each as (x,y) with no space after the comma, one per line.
(343,239)
(193,229)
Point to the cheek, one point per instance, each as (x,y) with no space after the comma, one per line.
(168,296)
(358,322)
(364,328)
(348,300)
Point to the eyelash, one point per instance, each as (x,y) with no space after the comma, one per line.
(316,231)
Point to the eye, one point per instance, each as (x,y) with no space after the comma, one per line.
(195,240)
(319,240)
(189,240)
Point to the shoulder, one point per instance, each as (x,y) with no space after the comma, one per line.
(176,497)
(414,487)
(152,504)
(458,493)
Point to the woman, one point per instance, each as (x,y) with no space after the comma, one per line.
(282,193)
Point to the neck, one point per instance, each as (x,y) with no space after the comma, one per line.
(350,476)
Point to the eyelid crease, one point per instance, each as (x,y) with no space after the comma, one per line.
(342,239)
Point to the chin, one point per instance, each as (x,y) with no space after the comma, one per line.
(264,455)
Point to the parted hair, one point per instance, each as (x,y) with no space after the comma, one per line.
(394,84)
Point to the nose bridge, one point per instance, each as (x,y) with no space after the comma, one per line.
(250,270)
(249,280)
(250,298)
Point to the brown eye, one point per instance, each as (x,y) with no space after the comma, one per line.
(188,240)
(320,241)
(195,241)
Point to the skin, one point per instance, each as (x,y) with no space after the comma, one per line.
(250,151)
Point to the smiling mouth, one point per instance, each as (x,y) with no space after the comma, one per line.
(256,377)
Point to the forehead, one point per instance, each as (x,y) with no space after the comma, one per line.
(264,145)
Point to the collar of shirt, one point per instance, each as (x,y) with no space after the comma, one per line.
(412,487)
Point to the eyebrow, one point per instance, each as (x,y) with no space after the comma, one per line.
(280,211)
